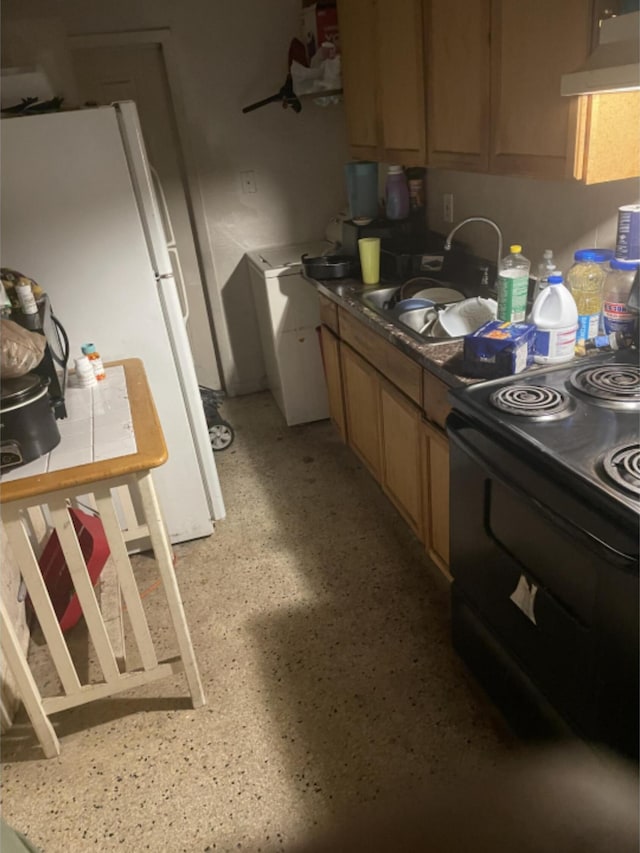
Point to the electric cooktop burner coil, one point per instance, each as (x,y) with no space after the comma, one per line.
(616,385)
(622,465)
(532,401)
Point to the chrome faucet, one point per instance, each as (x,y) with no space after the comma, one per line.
(447,242)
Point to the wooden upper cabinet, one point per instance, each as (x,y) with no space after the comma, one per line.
(383,79)
(358,40)
(457,35)
(493,92)
(401,81)
(534,42)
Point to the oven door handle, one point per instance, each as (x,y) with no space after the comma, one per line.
(626,561)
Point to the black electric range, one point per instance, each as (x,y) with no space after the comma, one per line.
(545,515)
(582,419)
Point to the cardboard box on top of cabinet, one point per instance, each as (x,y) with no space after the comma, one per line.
(319,24)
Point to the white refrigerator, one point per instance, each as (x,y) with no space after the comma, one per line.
(80,214)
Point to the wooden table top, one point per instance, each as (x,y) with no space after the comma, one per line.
(151,448)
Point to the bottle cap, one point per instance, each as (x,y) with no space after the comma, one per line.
(555,278)
(395,170)
(621,264)
(515,249)
(88,348)
(599,256)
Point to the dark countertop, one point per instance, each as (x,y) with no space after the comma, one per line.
(444,360)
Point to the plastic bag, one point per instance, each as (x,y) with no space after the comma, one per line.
(20,349)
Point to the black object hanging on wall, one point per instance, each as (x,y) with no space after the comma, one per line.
(286,95)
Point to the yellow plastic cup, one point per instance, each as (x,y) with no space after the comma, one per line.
(369,248)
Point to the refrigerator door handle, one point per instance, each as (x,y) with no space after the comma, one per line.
(171,239)
(173,252)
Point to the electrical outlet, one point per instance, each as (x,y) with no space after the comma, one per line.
(447,207)
(248,180)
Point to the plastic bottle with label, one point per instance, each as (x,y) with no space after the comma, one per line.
(545,268)
(85,377)
(616,316)
(585,280)
(25,297)
(513,286)
(96,362)
(396,193)
(555,315)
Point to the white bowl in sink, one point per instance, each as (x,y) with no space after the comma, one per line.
(463,318)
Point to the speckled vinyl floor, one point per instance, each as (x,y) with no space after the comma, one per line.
(321,631)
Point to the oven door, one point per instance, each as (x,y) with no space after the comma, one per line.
(552,581)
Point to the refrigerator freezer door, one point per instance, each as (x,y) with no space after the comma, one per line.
(70,220)
(155,232)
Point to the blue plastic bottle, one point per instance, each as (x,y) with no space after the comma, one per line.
(397,193)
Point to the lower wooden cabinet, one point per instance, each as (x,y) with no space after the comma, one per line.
(401,451)
(362,408)
(407,455)
(435,466)
(333,378)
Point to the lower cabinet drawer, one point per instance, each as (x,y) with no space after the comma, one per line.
(398,368)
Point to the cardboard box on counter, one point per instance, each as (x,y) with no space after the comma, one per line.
(499,349)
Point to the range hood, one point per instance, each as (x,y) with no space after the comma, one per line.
(614,66)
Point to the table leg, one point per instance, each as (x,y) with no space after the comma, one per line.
(163,554)
(29,692)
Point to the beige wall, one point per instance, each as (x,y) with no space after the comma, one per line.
(559,215)
(228,55)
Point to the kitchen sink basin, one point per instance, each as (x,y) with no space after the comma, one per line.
(381,299)
(420,323)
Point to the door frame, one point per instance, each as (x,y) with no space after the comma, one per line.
(191,180)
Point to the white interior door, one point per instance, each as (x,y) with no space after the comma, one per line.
(137,72)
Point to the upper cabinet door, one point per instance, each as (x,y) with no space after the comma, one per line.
(383,79)
(401,81)
(358,38)
(458,74)
(533,43)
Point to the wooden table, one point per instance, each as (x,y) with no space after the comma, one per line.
(57,490)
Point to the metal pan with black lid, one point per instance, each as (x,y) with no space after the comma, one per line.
(329,266)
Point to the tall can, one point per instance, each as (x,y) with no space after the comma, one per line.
(585,280)
(628,237)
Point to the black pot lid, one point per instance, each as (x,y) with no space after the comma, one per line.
(21,389)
